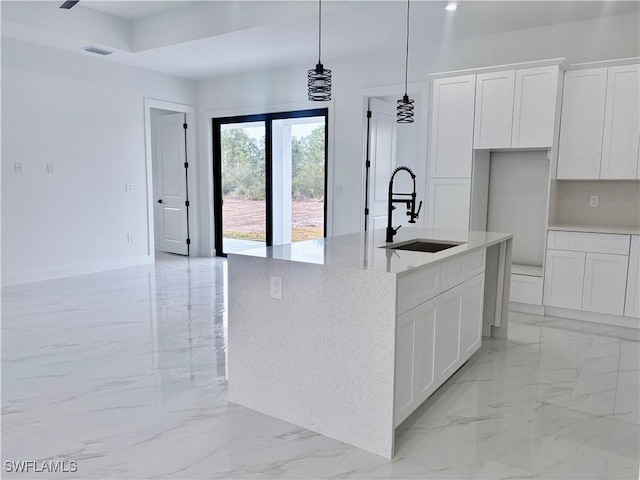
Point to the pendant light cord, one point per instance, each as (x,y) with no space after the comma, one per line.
(319,29)
(406,62)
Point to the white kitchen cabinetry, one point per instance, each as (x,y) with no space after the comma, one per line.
(452,127)
(564,279)
(494,109)
(582,124)
(534,107)
(599,129)
(605,280)
(449,203)
(621,132)
(586,271)
(516,108)
(632,302)
(433,340)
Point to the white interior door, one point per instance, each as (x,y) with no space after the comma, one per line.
(382,154)
(169,186)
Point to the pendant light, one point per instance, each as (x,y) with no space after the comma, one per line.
(319,78)
(405,104)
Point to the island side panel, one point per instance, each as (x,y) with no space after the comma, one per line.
(322,357)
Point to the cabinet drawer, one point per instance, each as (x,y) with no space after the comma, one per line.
(589,242)
(462,268)
(418,287)
(526,289)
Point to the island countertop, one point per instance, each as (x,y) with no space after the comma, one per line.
(366,252)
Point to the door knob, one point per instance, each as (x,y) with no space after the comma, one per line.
(160,201)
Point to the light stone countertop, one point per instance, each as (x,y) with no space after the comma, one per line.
(595,229)
(363,252)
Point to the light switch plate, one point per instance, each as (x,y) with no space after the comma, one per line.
(276,288)
(51,168)
(130,187)
(17,167)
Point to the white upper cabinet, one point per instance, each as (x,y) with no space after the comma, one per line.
(599,130)
(452,127)
(516,108)
(494,109)
(621,132)
(534,107)
(582,123)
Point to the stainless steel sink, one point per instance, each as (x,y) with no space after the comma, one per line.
(423,246)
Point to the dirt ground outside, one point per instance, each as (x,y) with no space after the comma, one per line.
(246,219)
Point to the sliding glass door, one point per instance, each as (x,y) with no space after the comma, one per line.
(243,187)
(269,179)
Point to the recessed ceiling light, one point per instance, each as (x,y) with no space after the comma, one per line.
(451,7)
(97,50)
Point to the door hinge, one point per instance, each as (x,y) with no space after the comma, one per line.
(188,241)
(186,203)
(184,125)
(186,164)
(368,113)
(368,164)
(366,211)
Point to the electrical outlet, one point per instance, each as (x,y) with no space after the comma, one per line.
(129,237)
(276,288)
(130,187)
(17,167)
(339,190)
(51,168)
(593,201)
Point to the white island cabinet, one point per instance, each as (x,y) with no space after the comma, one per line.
(362,335)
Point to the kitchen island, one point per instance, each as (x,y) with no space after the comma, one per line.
(361,334)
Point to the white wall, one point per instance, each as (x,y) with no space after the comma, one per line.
(592,40)
(86,116)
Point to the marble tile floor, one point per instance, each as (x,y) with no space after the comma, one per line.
(124,373)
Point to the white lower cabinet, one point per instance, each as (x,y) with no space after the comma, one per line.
(605,280)
(564,279)
(433,340)
(592,281)
(632,301)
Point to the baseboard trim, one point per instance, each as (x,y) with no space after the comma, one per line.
(526,308)
(20,278)
(615,320)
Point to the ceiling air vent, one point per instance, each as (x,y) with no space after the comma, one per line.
(97,50)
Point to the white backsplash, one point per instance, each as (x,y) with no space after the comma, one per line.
(618,202)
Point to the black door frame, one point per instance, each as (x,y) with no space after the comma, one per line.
(267,118)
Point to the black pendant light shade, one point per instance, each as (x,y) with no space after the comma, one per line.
(319,83)
(405,104)
(405,109)
(319,78)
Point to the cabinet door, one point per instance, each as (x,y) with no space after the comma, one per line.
(605,281)
(620,141)
(415,347)
(494,109)
(534,108)
(447,330)
(632,302)
(449,203)
(471,323)
(564,279)
(582,123)
(452,127)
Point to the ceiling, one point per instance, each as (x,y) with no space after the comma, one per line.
(133,10)
(208,38)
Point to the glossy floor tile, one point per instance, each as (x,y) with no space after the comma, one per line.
(124,372)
